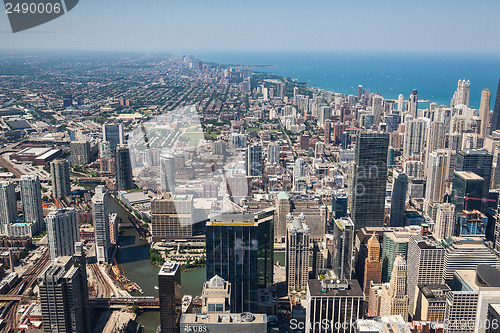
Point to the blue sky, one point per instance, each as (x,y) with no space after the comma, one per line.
(278,25)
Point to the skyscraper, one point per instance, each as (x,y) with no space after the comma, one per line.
(113,133)
(479,161)
(327,132)
(280,221)
(466,184)
(413,103)
(343,242)
(484,111)
(254,160)
(100,215)
(172,217)
(124,181)
(401,103)
(62,232)
(425,262)
(169,294)
(414,136)
(398,199)
(8,206)
(31,198)
(394,297)
(239,249)
(80,152)
(495,121)
(297,254)
(59,172)
(438,166)
(273,153)
(461,95)
(373,264)
(64,295)
(436,136)
(369,179)
(167,173)
(444,225)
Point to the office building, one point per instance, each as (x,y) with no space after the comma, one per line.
(401,103)
(394,297)
(62,232)
(63,295)
(80,152)
(480,162)
(444,224)
(467,187)
(327,132)
(282,203)
(169,294)
(343,242)
(216,296)
(172,217)
(113,133)
(369,179)
(61,184)
(100,215)
(297,254)
(167,173)
(339,203)
(239,249)
(124,181)
(398,199)
(232,322)
(414,136)
(31,198)
(373,264)
(430,303)
(394,243)
(338,303)
(495,121)
(425,262)
(8,206)
(273,153)
(413,103)
(484,111)
(436,137)
(437,174)
(471,223)
(253,160)
(466,253)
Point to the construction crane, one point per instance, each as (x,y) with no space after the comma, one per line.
(468,197)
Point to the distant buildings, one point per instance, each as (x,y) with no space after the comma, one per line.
(369,179)
(113,133)
(253,160)
(167,173)
(62,232)
(100,215)
(484,111)
(63,295)
(495,120)
(61,184)
(413,103)
(169,294)
(80,152)
(8,206)
(123,165)
(31,198)
(297,254)
(172,217)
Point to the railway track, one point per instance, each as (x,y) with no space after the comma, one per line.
(106,290)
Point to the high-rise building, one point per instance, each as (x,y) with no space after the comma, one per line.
(172,217)
(495,121)
(444,224)
(479,161)
(373,264)
(61,184)
(413,103)
(124,180)
(425,262)
(398,199)
(327,132)
(471,223)
(369,179)
(339,203)
(338,303)
(100,215)
(297,254)
(239,249)
(254,160)
(169,294)
(167,173)
(343,242)
(273,153)
(62,232)
(31,198)
(80,152)
(377,108)
(394,297)
(394,243)
(438,168)
(401,103)
(465,185)
(430,302)
(484,111)
(113,133)
(280,221)
(8,206)
(436,137)
(462,94)
(414,136)
(63,295)
(216,296)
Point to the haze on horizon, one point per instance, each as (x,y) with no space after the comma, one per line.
(195,25)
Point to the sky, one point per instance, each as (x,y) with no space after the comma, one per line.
(435,26)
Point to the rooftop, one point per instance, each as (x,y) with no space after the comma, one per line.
(317,289)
